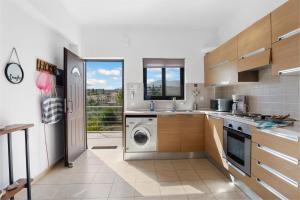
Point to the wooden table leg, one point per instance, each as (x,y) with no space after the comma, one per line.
(27,165)
(10,161)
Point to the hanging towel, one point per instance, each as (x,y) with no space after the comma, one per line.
(52,110)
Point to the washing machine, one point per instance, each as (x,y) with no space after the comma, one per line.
(141,134)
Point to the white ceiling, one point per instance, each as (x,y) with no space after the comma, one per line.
(196,13)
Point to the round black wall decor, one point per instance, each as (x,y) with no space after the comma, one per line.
(14,73)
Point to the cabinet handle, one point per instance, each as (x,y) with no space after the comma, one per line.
(214,117)
(278,154)
(270,189)
(218,64)
(288,137)
(289,34)
(278,174)
(236,169)
(253,53)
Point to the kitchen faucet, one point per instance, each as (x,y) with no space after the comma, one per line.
(174,106)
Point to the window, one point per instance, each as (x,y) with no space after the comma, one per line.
(163,79)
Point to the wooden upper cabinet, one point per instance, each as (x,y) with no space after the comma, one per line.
(286,49)
(254,45)
(225,53)
(255,37)
(285,19)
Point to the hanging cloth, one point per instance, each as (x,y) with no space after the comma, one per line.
(52,110)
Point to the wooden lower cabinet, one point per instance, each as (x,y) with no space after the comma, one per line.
(260,188)
(214,139)
(268,175)
(180,133)
(192,135)
(168,133)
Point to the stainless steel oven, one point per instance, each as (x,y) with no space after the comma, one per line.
(237,145)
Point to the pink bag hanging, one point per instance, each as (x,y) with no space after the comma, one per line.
(44,82)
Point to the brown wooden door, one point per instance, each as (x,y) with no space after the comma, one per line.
(75,107)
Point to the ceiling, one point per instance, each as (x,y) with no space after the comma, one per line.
(196,13)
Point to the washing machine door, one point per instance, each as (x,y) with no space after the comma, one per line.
(141,136)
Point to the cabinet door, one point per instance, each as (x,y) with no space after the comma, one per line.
(255,37)
(229,51)
(214,139)
(286,54)
(168,133)
(192,136)
(285,19)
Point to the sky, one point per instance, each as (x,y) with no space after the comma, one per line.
(154,74)
(104,75)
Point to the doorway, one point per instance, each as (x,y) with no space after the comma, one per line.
(104,103)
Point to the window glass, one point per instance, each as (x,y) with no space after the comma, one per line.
(173,83)
(154,82)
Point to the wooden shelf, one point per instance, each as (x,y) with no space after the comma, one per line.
(14,128)
(12,193)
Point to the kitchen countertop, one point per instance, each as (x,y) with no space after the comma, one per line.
(292,132)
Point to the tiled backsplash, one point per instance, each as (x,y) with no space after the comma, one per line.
(271,95)
(135,97)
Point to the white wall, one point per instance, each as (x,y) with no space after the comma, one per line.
(21,103)
(135,43)
(244,18)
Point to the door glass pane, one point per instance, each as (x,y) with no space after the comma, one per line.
(140,138)
(236,148)
(173,82)
(154,81)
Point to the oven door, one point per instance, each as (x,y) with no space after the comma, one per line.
(237,147)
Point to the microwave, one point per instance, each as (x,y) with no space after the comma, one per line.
(221,105)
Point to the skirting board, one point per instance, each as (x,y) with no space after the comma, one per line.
(46,171)
(162,156)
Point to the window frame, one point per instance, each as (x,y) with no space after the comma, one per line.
(164,96)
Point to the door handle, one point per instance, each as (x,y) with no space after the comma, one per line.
(70,108)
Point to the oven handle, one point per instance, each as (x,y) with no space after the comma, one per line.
(241,134)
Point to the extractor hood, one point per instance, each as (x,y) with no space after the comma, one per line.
(290,72)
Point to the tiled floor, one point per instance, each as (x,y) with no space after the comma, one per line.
(102,174)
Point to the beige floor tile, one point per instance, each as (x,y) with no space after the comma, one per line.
(219,186)
(175,197)
(104,177)
(82,191)
(42,192)
(195,188)
(201,164)
(80,178)
(182,165)
(171,189)
(167,176)
(122,189)
(231,196)
(147,189)
(211,174)
(188,175)
(147,176)
(148,198)
(121,198)
(202,197)
(164,165)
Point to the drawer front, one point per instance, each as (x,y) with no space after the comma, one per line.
(276,160)
(261,189)
(270,177)
(277,142)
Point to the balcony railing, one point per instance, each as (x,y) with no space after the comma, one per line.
(104,118)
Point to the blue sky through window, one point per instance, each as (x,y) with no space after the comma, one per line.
(104,75)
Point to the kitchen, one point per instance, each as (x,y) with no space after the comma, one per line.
(263,92)
(211,107)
